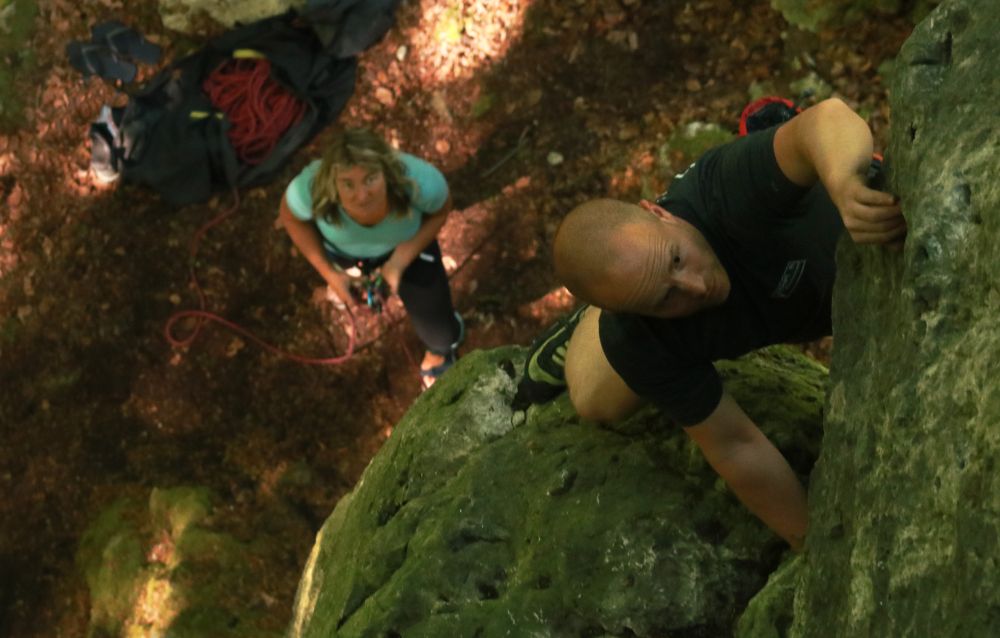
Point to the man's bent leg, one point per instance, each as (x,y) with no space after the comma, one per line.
(595,389)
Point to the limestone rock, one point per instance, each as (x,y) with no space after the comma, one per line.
(476,521)
(182,15)
(904,505)
(769,613)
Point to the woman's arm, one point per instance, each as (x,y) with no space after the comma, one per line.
(407,251)
(306,238)
(831,143)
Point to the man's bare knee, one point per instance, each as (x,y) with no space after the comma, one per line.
(590,407)
(595,389)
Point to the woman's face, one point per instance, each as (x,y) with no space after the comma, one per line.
(362,193)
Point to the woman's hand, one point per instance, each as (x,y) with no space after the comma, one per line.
(339,285)
(392,272)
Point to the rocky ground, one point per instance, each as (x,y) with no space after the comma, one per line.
(528,107)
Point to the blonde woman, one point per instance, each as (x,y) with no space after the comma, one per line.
(366,205)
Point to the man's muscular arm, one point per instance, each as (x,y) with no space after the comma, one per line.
(831,143)
(754,470)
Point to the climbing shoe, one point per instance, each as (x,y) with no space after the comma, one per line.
(544,371)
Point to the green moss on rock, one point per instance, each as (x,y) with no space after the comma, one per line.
(474,520)
(769,613)
(813,15)
(692,141)
(111,558)
(166,567)
(17,26)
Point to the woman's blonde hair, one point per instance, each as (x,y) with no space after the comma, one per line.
(359,147)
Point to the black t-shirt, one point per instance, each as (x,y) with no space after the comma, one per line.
(776,241)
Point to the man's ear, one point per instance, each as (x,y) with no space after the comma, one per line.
(657,210)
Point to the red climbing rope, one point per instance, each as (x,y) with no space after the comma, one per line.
(201,316)
(259,109)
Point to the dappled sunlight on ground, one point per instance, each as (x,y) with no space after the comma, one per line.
(459,38)
(550,307)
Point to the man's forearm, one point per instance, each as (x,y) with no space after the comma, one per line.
(754,469)
(761,478)
(831,143)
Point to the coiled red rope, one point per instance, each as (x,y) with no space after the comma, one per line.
(259,109)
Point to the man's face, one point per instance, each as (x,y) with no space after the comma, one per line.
(667,269)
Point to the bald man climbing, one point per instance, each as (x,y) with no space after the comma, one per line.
(739,254)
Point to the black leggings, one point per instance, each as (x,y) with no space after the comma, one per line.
(425,294)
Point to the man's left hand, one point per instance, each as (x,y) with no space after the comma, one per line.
(870,216)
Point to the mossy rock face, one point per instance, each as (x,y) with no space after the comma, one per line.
(904,505)
(188,16)
(474,520)
(769,613)
(17,25)
(162,567)
(691,141)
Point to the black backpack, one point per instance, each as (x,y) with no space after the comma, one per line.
(171,137)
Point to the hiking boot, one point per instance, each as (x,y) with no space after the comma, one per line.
(544,371)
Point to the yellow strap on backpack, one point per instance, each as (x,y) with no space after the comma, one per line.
(247,54)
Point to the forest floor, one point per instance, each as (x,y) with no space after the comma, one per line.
(95,402)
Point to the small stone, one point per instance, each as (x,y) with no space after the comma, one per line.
(628,132)
(385,96)
(175,299)
(234,347)
(440,105)
(554,158)
(401,53)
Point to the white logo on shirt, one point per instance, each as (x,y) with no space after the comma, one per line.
(789,279)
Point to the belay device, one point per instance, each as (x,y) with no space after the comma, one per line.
(180,132)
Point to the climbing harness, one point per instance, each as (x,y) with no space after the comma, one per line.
(375,291)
